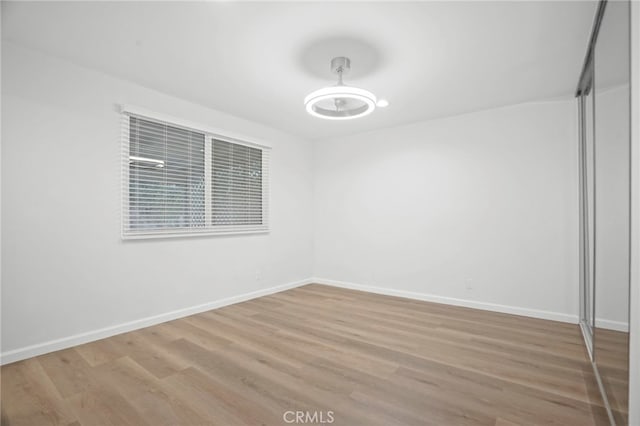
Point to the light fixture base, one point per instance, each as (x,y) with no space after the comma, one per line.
(340,65)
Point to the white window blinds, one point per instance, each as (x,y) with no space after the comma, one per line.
(180,181)
(236,187)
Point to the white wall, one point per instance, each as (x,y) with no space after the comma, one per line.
(65,269)
(0,181)
(479,207)
(634,305)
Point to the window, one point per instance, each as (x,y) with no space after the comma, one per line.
(179,181)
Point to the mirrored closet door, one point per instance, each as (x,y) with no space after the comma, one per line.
(604,159)
(587,217)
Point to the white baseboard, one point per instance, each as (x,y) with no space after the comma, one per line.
(90,336)
(612,325)
(534,313)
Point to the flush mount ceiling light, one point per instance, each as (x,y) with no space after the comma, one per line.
(340,102)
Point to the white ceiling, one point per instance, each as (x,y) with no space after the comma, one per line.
(259,60)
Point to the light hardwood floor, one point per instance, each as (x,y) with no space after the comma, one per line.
(369,359)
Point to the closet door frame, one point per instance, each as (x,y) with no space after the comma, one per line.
(587,223)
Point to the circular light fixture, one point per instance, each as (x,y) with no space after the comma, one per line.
(382,103)
(340,102)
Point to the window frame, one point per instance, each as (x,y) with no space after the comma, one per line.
(210,134)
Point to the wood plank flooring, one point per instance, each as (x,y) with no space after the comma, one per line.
(367,359)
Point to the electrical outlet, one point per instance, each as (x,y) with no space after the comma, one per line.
(468,284)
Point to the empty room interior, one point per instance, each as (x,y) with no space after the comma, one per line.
(322,213)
